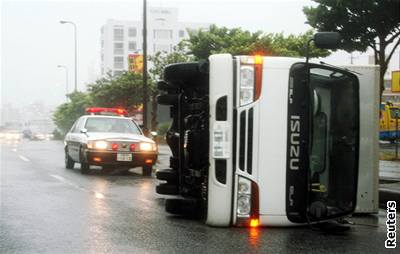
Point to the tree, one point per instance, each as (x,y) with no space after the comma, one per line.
(362,24)
(124,91)
(67,113)
(241,42)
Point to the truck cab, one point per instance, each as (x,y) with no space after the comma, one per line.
(261,141)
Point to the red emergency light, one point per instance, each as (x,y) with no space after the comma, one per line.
(107,111)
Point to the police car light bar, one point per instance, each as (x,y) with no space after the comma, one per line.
(107,111)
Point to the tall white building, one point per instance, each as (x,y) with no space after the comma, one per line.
(119,38)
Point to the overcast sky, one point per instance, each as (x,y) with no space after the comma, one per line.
(33,42)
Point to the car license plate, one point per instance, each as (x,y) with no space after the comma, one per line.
(124,157)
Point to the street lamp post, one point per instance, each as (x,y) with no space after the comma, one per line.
(72,23)
(66,79)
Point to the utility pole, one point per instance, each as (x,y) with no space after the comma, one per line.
(145,96)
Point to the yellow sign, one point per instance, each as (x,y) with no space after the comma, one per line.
(135,62)
(395,81)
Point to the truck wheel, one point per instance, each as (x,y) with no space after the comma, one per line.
(167,99)
(146,170)
(182,72)
(84,165)
(169,175)
(167,189)
(69,163)
(187,207)
(167,87)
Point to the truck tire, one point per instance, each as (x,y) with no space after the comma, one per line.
(167,189)
(167,87)
(181,72)
(167,99)
(169,175)
(186,207)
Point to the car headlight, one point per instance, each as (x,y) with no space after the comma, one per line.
(243,197)
(147,147)
(102,145)
(246,84)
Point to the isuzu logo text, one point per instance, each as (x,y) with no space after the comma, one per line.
(294,152)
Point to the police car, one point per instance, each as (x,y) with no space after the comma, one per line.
(106,137)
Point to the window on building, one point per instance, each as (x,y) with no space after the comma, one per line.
(102,43)
(118,33)
(162,48)
(162,34)
(132,32)
(118,73)
(132,45)
(118,48)
(181,33)
(118,62)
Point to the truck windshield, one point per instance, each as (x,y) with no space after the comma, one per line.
(333,158)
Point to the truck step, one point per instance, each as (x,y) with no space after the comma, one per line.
(167,189)
(169,175)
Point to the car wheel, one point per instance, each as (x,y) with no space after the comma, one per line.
(84,165)
(146,170)
(69,163)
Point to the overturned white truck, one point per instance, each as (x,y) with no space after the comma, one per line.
(261,141)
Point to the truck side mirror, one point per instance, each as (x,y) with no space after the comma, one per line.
(326,40)
(84,130)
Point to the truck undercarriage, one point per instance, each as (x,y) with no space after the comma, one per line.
(185,89)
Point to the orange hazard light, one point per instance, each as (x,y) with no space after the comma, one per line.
(254,223)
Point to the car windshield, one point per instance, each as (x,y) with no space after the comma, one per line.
(117,125)
(333,160)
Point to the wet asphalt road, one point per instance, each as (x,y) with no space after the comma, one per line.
(46,208)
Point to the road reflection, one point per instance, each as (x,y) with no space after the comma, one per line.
(99,218)
(254,237)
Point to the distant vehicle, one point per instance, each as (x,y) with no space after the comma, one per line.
(27,133)
(387,122)
(108,140)
(10,136)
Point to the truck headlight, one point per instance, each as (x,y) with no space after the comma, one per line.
(147,147)
(246,84)
(243,205)
(243,197)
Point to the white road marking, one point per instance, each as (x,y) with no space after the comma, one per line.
(64,180)
(23,158)
(98,195)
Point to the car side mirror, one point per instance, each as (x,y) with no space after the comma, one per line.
(154,133)
(326,40)
(84,130)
